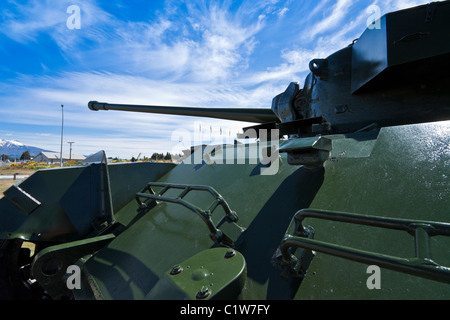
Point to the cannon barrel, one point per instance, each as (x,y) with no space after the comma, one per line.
(256,115)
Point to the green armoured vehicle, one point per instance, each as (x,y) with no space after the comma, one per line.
(340,191)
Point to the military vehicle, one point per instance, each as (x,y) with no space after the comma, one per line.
(340,190)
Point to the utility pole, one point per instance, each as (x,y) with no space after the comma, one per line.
(70,156)
(62,130)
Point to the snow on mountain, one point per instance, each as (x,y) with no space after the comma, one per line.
(14,148)
(10,143)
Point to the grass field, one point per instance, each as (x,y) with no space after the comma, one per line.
(18,170)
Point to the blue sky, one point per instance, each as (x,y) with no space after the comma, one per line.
(178,53)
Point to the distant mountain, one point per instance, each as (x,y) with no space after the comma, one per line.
(14,149)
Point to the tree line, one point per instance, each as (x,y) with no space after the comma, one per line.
(155,156)
(25,156)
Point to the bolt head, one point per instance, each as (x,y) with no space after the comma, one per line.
(176,270)
(230,253)
(203,293)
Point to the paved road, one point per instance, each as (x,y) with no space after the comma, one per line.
(11,177)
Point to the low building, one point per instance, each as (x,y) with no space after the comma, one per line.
(54,157)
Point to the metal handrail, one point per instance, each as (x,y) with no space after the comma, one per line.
(215,233)
(421,265)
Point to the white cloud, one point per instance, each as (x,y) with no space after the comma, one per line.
(215,49)
(282,12)
(319,7)
(295,62)
(28,21)
(224,44)
(332,21)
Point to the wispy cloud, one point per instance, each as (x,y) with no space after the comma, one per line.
(331,21)
(26,22)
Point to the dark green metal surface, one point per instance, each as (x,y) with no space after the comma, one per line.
(217,273)
(71,200)
(405,177)
(398,42)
